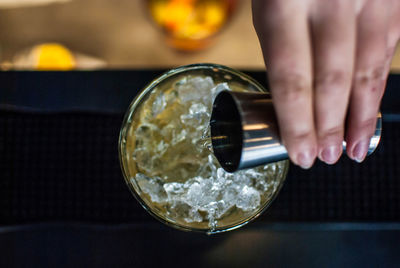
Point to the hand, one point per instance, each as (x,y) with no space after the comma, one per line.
(327,59)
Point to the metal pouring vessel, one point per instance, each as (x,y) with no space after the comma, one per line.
(245,133)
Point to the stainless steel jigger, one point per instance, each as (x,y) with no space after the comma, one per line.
(244,131)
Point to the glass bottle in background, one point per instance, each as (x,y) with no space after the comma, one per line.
(191,25)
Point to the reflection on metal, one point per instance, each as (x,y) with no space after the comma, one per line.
(250,137)
(258,139)
(253,136)
(219,137)
(261,147)
(255,127)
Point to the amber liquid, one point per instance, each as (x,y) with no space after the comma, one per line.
(168,148)
(190,25)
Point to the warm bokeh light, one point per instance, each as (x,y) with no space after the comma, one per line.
(52,56)
(189,24)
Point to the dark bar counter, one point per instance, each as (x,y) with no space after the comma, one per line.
(63,200)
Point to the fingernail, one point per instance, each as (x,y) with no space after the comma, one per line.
(360,150)
(305,160)
(330,154)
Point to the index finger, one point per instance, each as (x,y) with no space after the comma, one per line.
(282,28)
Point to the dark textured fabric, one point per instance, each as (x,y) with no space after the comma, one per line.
(64,167)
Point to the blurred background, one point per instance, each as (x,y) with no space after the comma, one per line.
(128,34)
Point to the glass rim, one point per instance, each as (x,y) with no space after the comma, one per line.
(127,121)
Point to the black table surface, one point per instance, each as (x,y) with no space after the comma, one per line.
(61,187)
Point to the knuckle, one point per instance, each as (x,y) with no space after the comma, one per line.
(331,132)
(367,125)
(274,12)
(323,9)
(300,135)
(390,52)
(337,4)
(367,76)
(335,79)
(290,87)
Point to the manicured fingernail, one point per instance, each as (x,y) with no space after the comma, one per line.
(330,154)
(305,160)
(360,150)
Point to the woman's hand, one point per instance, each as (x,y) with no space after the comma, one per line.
(327,59)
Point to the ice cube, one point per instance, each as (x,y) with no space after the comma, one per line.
(179,209)
(159,104)
(143,159)
(202,192)
(144,135)
(230,196)
(193,216)
(174,190)
(218,208)
(161,148)
(194,195)
(258,179)
(170,96)
(212,221)
(177,138)
(194,88)
(212,163)
(248,199)
(152,186)
(221,173)
(217,89)
(198,108)
(206,132)
(207,143)
(197,116)
(254,173)
(241,178)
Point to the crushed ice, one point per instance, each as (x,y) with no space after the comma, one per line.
(210,190)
